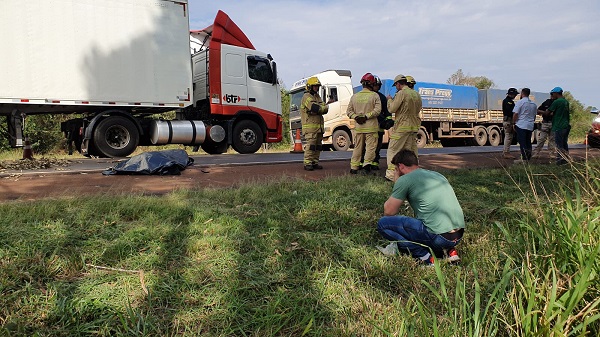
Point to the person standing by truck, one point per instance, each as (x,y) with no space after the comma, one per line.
(312,110)
(411,82)
(524,120)
(545,130)
(405,106)
(385,122)
(364,107)
(508,105)
(560,124)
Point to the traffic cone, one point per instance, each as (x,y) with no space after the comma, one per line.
(297,143)
(27,151)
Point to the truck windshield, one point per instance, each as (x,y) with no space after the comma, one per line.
(296,99)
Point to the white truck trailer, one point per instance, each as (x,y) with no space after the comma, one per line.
(120,63)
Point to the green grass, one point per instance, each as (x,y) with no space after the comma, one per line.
(294,258)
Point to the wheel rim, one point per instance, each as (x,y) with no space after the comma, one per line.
(248,137)
(117,137)
(341,141)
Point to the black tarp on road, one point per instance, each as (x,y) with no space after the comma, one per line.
(168,162)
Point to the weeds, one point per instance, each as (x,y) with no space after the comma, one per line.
(294,258)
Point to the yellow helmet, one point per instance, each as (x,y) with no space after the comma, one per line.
(312,81)
(410,79)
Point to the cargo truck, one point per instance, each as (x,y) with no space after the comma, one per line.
(120,65)
(451,114)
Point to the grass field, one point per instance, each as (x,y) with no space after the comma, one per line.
(297,258)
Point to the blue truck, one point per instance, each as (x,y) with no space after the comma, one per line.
(461,115)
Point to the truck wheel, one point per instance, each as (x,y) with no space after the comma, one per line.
(421,138)
(480,136)
(211,147)
(115,136)
(247,137)
(341,140)
(494,137)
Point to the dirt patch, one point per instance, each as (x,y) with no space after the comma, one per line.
(57,185)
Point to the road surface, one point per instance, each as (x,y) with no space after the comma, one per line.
(227,171)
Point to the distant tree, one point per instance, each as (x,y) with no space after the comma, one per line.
(581,118)
(285,114)
(460,78)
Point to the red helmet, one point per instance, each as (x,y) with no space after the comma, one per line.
(368,78)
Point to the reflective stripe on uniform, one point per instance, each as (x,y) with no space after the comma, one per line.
(403,128)
(366,130)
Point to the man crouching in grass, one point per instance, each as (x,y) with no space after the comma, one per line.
(439,222)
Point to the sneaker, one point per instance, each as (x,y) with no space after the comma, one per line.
(427,260)
(389,250)
(507,155)
(317,167)
(309,167)
(452,256)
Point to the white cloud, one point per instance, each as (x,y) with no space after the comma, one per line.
(534,43)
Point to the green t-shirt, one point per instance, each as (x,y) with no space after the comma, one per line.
(560,108)
(432,198)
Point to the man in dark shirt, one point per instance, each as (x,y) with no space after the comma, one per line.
(508,105)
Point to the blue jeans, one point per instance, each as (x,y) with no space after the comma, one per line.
(524,139)
(412,234)
(562,144)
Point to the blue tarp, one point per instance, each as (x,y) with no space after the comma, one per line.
(437,95)
(168,162)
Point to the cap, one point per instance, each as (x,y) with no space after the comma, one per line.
(512,91)
(399,78)
(556,89)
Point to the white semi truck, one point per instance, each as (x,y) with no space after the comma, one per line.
(121,64)
(337,89)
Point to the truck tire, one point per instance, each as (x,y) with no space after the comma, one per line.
(494,136)
(247,137)
(480,136)
(341,140)
(422,138)
(211,147)
(115,136)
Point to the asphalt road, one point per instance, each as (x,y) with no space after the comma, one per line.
(99,164)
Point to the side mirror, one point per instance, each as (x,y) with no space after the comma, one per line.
(274,65)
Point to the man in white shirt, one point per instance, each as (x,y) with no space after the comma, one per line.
(524,119)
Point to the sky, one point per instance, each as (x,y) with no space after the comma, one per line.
(537,44)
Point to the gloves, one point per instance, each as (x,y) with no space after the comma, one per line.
(315,109)
(360,119)
(387,124)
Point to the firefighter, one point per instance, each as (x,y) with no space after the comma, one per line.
(385,123)
(364,107)
(411,82)
(406,106)
(312,110)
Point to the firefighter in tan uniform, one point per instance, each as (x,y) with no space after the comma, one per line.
(364,107)
(405,106)
(312,110)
